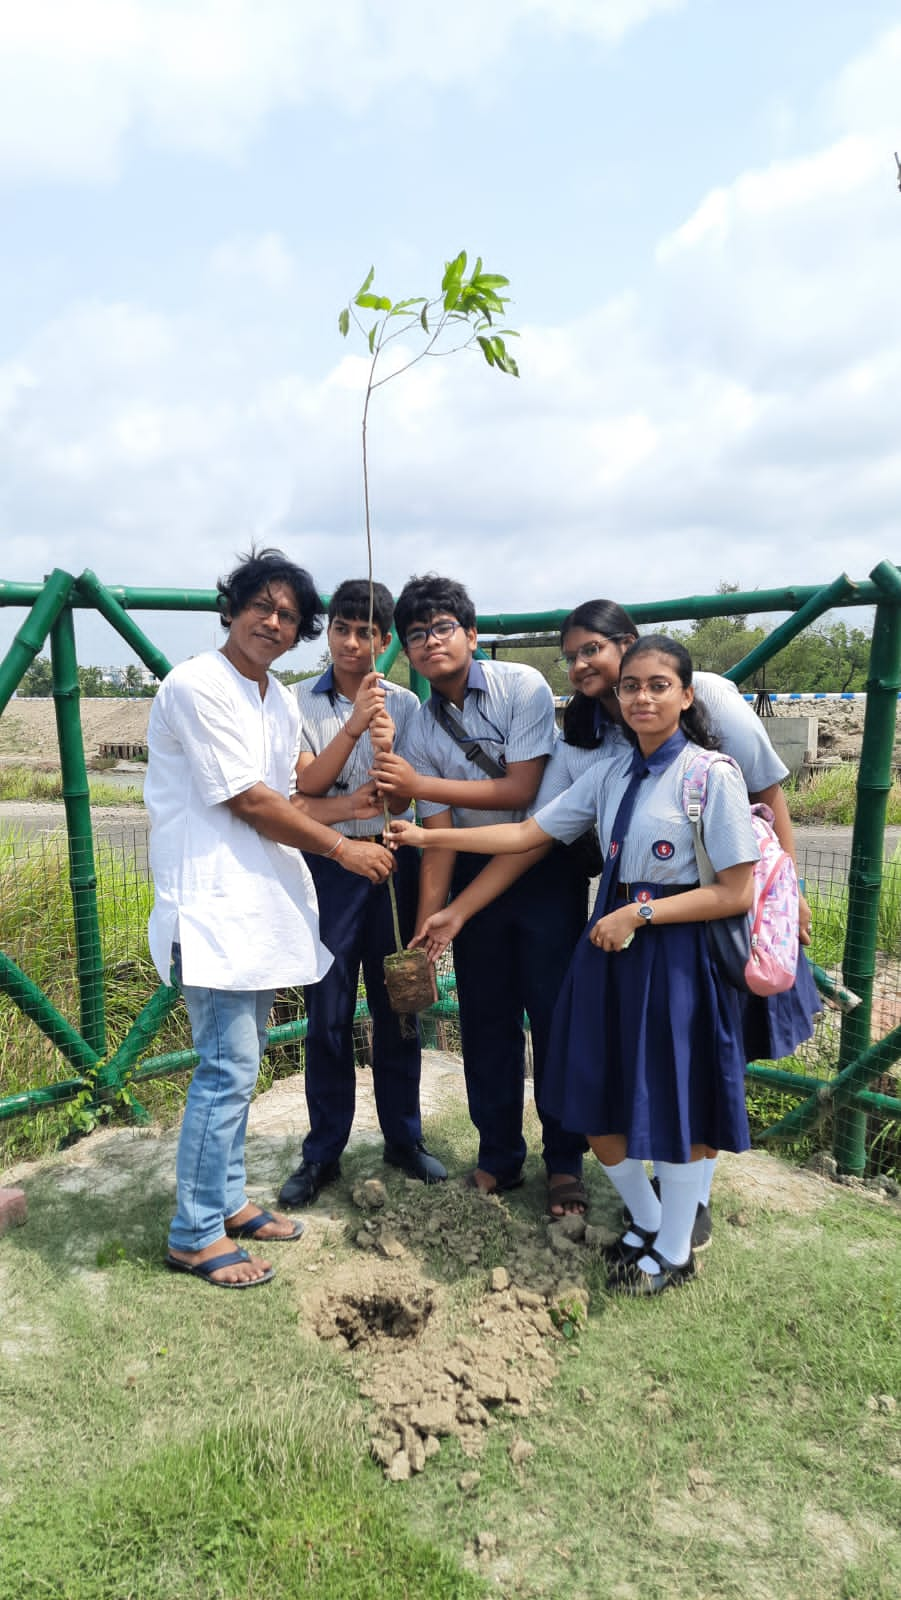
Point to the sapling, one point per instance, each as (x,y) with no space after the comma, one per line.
(463,316)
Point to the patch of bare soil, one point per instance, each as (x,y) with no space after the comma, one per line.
(437,1356)
(28,735)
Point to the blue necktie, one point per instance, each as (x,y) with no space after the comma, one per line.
(613,859)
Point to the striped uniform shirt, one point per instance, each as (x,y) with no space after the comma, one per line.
(659,844)
(736,725)
(510,710)
(323,713)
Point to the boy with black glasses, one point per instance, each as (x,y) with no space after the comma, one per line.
(475,753)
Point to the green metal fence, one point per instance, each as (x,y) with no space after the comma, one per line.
(845,1094)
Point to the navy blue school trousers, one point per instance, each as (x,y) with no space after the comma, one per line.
(355,924)
(511,958)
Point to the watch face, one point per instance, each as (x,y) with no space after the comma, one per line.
(646,911)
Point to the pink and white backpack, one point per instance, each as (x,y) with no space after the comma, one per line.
(772,961)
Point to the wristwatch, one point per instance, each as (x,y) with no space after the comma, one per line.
(646,911)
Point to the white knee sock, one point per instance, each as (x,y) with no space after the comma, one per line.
(680,1186)
(633,1186)
(708,1166)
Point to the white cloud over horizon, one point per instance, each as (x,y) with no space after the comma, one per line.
(79,78)
(728,412)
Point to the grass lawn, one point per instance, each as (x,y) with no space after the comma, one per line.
(737,1438)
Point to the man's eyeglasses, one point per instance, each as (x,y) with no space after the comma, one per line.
(631,688)
(445,629)
(264,609)
(585,652)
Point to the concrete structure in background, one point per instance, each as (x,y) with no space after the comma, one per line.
(795,739)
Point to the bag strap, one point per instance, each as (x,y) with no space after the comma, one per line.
(449,720)
(694,801)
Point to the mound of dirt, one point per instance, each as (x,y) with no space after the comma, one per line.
(427,1376)
(28,733)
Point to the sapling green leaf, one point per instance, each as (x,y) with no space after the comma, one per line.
(472,303)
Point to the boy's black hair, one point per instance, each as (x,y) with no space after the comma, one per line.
(580,725)
(421,599)
(253,576)
(350,601)
(693,721)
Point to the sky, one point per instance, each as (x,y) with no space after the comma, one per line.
(695,202)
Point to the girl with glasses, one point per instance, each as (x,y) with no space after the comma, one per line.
(646,1052)
(593,639)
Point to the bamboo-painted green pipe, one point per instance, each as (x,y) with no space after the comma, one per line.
(754,601)
(887,578)
(145,1027)
(874,780)
(89,585)
(386,660)
(29,640)
(834,594)
(839,1093)
(283,1033)
(840,995)
(777,1078)
(82,874)
(34,1003)
(30,1101)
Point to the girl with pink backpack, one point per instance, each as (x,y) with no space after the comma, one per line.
(646,1055)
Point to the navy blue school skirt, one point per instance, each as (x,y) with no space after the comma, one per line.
(647,1042)
(774,1025)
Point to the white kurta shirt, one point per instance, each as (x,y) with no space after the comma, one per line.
(242,907)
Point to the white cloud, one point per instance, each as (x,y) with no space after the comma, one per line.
(265,260)
(78,78)
(736,419)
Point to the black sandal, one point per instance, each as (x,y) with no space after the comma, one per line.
(620,1254)
(629,1278)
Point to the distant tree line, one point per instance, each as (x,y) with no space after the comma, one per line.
(94,682)
(829,658)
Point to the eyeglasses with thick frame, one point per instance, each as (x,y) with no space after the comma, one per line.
(585,652)
(444,629)
(264,609)
(657,688)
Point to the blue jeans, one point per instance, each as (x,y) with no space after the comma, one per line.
(228,1027)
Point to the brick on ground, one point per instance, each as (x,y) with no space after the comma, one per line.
(13,1209)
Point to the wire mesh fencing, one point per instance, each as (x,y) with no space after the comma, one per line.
(38,932)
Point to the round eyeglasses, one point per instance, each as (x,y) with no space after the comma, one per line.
(631,688)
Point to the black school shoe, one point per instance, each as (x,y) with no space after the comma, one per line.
(628,1278)
(304,1185)
(416,1161)
(701,1233)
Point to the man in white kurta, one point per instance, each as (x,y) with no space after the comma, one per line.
(235,910)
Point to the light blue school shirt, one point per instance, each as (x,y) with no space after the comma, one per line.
(737,727)
(659,844)
(323,713)
(509,708)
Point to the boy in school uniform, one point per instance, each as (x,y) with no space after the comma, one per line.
(346,715)
(475,754)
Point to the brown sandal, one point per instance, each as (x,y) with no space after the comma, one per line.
(571,1193)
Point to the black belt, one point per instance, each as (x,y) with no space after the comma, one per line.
(652,891)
